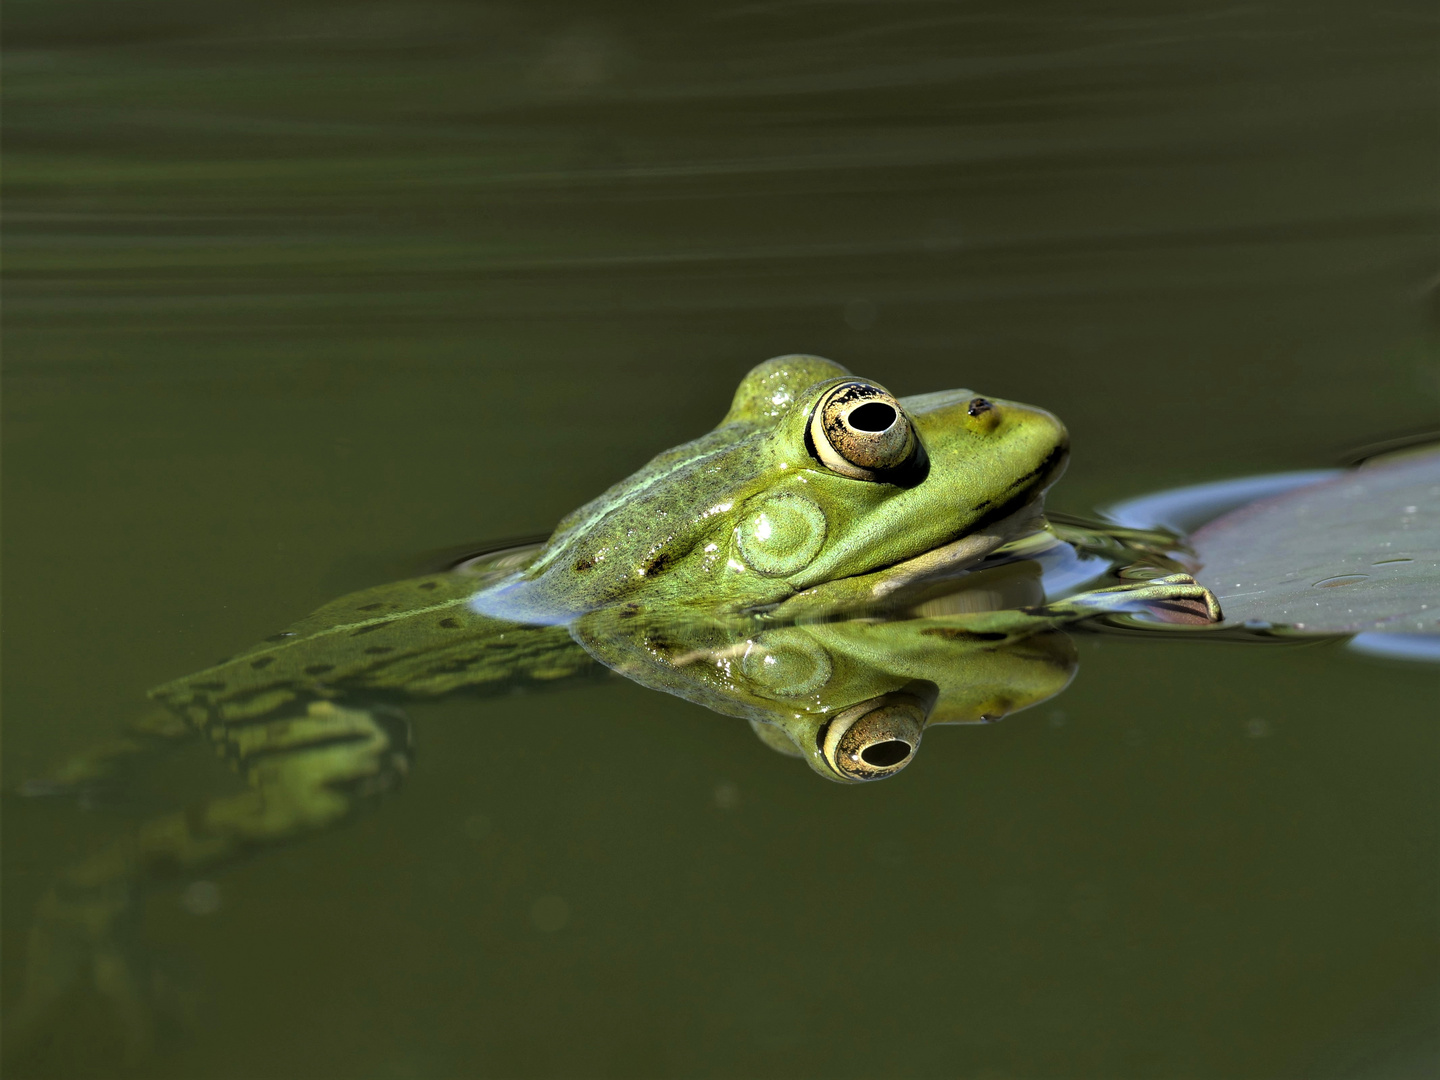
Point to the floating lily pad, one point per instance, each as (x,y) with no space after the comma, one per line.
(1358,552)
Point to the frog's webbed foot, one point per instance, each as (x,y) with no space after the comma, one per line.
(1160,547)
(1174,598)
(305,773)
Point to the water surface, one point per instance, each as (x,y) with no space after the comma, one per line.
(300,295)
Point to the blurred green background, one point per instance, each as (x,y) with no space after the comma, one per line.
(298,293)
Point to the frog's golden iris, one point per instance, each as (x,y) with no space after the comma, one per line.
(876,738)
(859,430)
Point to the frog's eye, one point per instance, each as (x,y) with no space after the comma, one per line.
(859,430)
(874,739)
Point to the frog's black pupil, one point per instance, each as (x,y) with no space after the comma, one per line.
(884,754)
(872,416)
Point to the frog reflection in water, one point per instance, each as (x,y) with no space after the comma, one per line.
(838,566)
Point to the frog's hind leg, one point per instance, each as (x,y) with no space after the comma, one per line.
(304,773)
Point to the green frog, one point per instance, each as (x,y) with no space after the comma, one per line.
(823,563)
(819,495)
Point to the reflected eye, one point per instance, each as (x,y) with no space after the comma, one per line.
(860,431)
(876,738)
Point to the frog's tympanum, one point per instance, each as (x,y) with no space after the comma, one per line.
(838,566)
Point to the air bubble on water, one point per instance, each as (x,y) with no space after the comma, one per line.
(727,795)
(1339,581)
(549,914)
(201,898)
(942,235)
(860,314)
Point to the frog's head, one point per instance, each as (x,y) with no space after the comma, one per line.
(813,476)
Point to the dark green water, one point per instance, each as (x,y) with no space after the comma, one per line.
(301,293)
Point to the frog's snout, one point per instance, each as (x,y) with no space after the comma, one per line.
(876,738)
(1039,443)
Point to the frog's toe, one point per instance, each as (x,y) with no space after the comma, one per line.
(1184,610)
(1175,599)
(43,787)
(1180,599)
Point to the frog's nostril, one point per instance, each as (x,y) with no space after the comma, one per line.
(872,416)
(883,755)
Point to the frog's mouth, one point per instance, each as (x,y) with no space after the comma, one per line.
(967,533)
(988,462)
(961,554)
(1023,512)
(949,559)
